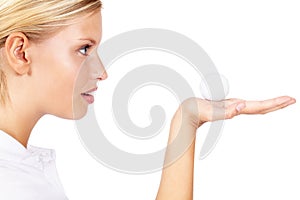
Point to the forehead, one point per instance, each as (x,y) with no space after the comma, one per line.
(85,27)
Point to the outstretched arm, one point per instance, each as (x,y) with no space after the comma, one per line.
(177,176)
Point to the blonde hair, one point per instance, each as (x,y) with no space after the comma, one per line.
(38,19)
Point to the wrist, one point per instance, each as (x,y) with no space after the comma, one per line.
(191,113)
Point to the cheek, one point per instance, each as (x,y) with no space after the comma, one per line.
(63,74)
(83,77)
(57,77)
(79,105)
(56,70)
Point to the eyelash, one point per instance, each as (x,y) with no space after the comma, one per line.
(86,49)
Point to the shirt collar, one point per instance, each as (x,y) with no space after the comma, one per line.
(12,150)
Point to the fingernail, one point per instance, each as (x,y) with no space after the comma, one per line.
(240,106)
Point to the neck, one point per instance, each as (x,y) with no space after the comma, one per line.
(18,123)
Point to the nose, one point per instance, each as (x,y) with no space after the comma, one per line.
(96,66)
(103,74)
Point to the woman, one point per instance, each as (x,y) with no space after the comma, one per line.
(42,47)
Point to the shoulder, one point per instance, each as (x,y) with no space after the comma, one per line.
(14,181)
(17,182)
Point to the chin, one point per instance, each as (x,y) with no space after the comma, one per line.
(79,112)
(72,115)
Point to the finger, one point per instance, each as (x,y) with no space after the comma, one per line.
(281,106)
(278,103)
(261,107)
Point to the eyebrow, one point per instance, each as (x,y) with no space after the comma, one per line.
(89,39)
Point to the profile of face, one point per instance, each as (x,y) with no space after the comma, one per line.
(67,68)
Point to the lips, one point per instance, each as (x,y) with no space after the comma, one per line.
(88,96)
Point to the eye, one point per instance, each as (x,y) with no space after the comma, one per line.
(84,50)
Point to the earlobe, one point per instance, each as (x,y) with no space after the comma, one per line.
(16,47)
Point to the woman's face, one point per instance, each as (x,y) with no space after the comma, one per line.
(66,68)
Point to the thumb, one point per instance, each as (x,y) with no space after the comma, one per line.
(234,110)
(240,107)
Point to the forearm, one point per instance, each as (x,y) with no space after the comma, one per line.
(177,178)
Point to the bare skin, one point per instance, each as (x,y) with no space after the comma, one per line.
(177,179)
(46,78)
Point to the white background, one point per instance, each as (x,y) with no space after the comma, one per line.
(256,45)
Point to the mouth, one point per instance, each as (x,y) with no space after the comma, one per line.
(88,96)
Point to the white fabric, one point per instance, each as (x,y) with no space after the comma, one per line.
(27,174)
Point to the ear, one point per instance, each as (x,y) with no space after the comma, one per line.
(16,49)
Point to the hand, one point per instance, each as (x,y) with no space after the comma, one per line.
(200,111)
(177,179)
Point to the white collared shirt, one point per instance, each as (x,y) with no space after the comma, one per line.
(27,174)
